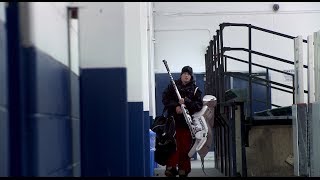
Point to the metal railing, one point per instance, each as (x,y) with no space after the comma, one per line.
(216,65)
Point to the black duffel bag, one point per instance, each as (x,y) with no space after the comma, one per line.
(165,143)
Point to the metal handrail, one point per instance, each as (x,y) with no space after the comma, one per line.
(259,28)
(258,65)
(261,54)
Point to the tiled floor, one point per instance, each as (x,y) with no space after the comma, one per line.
(196,170)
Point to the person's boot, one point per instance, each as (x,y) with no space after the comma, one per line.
(171,172)
(182,173)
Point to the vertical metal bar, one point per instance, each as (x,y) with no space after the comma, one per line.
(311,89)
(227,150)
(215,146)
(208,78)
(268,91)
(214,64)
(293,90)
(250,76)
(208,75)
(229,141)
(217,71)
(222,64)
(211,65)
(223,154)
(233,144)
(219,148)
(243,144)
(225,62)
(226,145)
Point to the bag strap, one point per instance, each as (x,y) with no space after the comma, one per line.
(164,110)
(195,91)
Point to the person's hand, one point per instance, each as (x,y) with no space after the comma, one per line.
(181,101)
(178,110)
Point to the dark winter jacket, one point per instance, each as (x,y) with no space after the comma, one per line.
(193,101)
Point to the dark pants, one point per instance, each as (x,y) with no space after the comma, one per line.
(180,157)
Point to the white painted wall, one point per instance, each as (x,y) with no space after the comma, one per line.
(48,28)
(2,12)
(101,29)
(231,8)
(44,25)
(174,46)
(190,25)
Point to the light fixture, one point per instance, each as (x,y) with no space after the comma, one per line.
(275,7)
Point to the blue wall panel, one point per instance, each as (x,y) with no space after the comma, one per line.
(4,125)
(52,145)
(104,122)
(4,144)
(136,134)
(146,121)
(51,85)
(47,111)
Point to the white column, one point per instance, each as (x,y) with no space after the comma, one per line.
(133,50)
(311,95)
(298,73)
(152,96)
(144,54)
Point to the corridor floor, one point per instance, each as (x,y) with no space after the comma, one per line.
(196,170)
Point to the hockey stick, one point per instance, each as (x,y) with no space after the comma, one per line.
(183,107)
